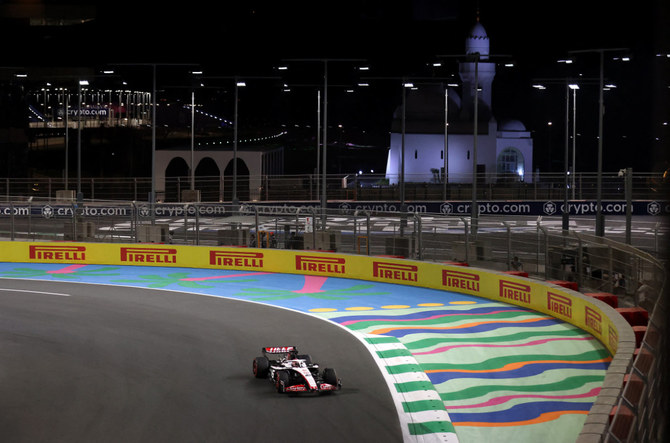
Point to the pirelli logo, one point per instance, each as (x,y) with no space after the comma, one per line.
(395,271)
(459,280)
(149,255)
(311,263)
(515,291)
(236,259)
(593,319)
(55,252)
(559,304)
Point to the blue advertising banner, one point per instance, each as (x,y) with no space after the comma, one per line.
(516,208)
(464,208)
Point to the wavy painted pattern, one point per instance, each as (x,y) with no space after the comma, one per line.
(502,372)
(496,366)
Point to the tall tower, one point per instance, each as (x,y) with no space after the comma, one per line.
(477,42)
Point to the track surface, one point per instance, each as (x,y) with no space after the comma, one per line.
(84,363)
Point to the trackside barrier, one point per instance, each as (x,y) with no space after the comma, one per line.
(586,312)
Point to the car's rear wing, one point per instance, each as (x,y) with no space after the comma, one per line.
(279,349)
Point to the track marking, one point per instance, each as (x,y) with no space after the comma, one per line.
(35,292)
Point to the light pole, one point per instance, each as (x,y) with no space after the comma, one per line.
(325,61)
(318,143)
(600,222)
(446,143)
(574,88)
(152,194)
(474,214)
(324,201)
(79,194)
(192,139)
(569,85)
(66,104)
(238,84)
(405,85)
(566,165)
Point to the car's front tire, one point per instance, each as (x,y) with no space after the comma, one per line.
(281,382)
(330,376)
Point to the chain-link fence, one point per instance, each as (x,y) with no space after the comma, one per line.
(538,246)
(363,187)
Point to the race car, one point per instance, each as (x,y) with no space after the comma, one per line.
(293,372)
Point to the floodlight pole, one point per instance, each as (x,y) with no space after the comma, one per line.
(79,142)
(474,214)
(402,145)
(235,200)
(446,143)
(566,207)
(192,138)
(67,136)
(574,139)
(318,144)
(600,225)
(324,201)
(600,222)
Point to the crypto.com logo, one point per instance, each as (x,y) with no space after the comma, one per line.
(654,208)
(446,208)
(344,208)
(549,208)
(47,211)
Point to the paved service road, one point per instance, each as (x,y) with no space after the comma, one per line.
(87,363)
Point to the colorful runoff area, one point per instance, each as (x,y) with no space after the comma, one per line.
(468,354)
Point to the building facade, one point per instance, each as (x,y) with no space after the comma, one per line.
(503,150)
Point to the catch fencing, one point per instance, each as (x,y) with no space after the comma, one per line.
(355,187)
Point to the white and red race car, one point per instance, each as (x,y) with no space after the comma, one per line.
(293,372)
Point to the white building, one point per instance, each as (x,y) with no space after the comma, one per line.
(504,149)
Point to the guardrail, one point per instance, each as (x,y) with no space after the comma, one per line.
(631,403)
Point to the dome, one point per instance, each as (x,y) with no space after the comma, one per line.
(511,125)
(477,41)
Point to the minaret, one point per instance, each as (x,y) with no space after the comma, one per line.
(477,42)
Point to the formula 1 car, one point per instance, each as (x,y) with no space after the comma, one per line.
(292,372)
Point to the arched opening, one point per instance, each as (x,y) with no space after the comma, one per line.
(510,165)
(207,176)
(176,179)
(242,181)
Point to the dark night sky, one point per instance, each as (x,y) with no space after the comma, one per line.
(397,38)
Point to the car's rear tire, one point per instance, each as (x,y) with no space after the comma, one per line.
(261,366)
(282,381)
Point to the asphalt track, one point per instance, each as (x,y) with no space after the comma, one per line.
(89,363)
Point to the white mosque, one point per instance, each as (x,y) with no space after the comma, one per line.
(504,149)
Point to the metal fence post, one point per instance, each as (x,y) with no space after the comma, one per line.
(186,222)
(578,262)
(258,239)
(417,229)
(133,221)
(197,225)
(467,245)
(509,245)
(367,234)
(610,270)
(11,221)
(537,246)
(74,221)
